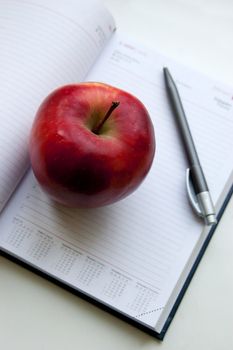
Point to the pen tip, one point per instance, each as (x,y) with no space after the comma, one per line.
(167,77)
(167,74)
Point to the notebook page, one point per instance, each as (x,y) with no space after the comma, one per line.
(43,44)
(209,108)
(129,255)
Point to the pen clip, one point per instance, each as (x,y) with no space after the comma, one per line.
(192,195)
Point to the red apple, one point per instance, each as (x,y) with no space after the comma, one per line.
(91,144)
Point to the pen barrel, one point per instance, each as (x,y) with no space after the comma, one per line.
(196,172)
(183,127)
(198,179)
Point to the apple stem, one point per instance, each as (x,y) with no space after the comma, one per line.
(115,104)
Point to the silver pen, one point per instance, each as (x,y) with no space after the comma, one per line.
(197,188)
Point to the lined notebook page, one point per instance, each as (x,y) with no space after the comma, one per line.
(43,45)
(130,255)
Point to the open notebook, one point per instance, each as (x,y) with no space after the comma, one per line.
(134,258)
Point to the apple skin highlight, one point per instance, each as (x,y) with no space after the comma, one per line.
(80,168)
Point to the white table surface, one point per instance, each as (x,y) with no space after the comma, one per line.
(35,314)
